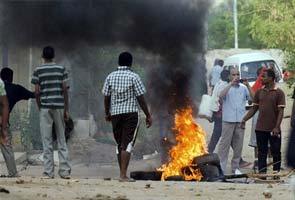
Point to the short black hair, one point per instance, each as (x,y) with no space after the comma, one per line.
(6,74)
(224,75)
(220,62)
(271,73)
(48,52)
(125,59)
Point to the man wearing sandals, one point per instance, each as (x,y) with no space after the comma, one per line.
(123,90)
(51,93)
(270,101)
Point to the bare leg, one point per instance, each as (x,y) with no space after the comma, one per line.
(119,159)
(125,157)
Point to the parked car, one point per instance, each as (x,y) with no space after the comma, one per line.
(249,63)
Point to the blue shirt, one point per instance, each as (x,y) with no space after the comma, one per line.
(215,74)
(233,106)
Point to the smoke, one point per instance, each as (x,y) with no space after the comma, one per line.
(172,30)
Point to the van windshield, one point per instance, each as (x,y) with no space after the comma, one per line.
(250,70)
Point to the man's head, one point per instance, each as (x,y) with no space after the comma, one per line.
(125,59)
(48,53)
(224,75)
(234,74)
(7,74)
(220,62)
(268,76)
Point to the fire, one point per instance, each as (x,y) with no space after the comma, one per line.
(191,142)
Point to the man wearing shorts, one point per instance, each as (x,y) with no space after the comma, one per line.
(123,90)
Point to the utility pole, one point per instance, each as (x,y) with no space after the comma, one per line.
(236,23)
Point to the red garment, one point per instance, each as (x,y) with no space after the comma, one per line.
(287,74)
(258,84)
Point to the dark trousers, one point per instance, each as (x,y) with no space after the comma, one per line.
(216,133)
(275,147)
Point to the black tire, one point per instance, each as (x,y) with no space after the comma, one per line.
(210,173)
(175,178)
(141,175)
(211,159)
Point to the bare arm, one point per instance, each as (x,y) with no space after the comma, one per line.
(250,114)
(5,116)
(66,101)
(37,95)
(246,83)
(5,111)
(224,92)
(107,106)
(276,131)
(145,109)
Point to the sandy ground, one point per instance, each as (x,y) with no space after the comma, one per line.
(99,181)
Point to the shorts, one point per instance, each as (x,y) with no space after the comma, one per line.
(125,127)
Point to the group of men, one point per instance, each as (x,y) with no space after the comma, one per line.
(123,91)
(232,94)
(51,95)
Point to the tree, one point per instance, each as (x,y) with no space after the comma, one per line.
(273,23)
(221,26)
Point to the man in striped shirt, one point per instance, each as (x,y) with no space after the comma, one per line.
(51,93)
(123,90)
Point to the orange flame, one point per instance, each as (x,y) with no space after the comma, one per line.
(191,142)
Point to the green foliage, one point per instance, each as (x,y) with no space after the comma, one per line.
(221,27)
(273,23)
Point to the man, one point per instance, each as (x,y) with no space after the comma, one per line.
(122,90)
(215,73)
(270,101)
(51,92)
(216,107)
(234,98)
(14,93)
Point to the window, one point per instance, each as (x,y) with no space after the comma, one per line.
(250,70)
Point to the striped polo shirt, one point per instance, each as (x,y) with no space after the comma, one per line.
(50,77)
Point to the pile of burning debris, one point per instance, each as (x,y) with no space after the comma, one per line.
(189,159)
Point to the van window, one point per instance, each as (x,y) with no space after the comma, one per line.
(227,67)
(250,70)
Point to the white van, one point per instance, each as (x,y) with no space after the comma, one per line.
(249,63)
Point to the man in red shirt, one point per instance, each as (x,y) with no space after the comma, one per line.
(270,101)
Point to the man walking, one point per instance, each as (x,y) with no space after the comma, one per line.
(123,90)
(270,101)
(51,92)
(234,98)
(14,94)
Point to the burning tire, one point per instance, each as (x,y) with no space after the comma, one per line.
(141,175)
(211,159)
(210,172)
(175,178)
